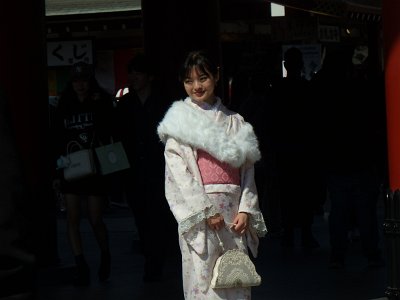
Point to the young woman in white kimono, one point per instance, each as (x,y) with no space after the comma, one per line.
(210,153)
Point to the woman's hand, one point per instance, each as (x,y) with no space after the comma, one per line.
(216,222)
(240,223)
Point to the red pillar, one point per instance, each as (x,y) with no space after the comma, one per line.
(391,39)
(391,35)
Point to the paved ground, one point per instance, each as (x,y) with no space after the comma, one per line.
(287,275)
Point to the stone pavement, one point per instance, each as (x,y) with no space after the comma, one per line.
(287,275)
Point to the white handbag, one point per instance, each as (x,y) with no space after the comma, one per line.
(112,158)
(77,165)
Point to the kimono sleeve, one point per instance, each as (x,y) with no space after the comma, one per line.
(249,204)
(186,195)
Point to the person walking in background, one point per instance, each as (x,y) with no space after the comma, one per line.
(210,153)
(137,115)
(83,116)
(355,154)
(294,116)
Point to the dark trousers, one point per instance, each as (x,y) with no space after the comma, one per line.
(297,181)
(153,218)
(354,193)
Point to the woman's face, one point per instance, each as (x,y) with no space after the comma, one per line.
(81,87)
(200,86)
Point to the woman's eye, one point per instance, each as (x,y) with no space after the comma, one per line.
(187,81)
(203,78)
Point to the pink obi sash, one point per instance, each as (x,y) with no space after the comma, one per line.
(214,171)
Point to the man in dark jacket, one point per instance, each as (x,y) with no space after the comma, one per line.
(138,113)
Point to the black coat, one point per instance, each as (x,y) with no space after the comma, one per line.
(136,126)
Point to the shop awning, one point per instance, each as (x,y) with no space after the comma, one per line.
(355,9)
(77,7)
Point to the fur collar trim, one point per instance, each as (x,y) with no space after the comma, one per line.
(191,126)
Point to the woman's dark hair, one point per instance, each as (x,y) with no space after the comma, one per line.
(200,60)
(69,97)
(94,87)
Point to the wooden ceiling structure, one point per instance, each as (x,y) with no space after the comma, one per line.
(88,15)
(107,19)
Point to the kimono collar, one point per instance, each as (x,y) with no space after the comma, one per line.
(195,127)
(206,106)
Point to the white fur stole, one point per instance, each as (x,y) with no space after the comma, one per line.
(194,127)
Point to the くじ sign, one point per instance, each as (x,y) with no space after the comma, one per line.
(64,53)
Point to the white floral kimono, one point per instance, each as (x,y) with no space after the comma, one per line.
(186,128)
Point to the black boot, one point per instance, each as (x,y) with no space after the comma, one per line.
(288,237)
(105,264)
(82,277)
(307,239)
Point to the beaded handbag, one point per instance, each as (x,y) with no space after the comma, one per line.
(234,269)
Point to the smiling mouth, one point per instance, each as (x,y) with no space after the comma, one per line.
(199,93)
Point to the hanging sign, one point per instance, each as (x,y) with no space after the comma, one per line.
(65,53)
